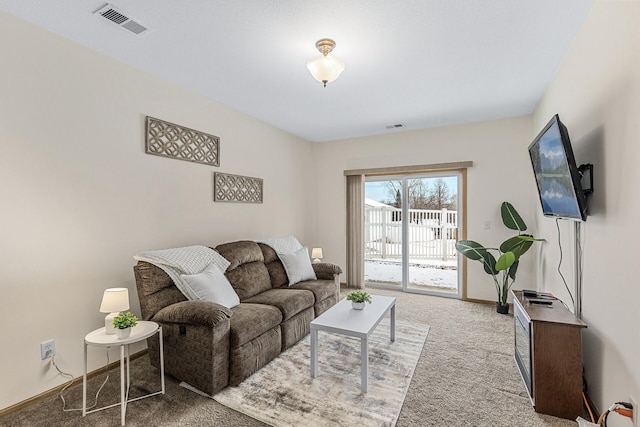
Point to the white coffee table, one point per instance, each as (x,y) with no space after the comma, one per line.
(100,338)
(342,319)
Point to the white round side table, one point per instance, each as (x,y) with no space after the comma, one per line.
(99,338)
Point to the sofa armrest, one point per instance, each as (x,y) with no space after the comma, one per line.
(194,312)
(326,271)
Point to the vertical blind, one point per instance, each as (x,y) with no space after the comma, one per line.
(355,231)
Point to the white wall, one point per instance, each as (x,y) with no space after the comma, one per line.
(597,93)
(80,196)
(501,171)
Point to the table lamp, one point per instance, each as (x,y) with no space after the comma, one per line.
(316,254)
(114,301)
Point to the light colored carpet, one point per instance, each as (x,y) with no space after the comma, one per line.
(283,394)
(465,376)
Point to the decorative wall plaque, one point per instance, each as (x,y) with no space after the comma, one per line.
(236,188)
(178,142)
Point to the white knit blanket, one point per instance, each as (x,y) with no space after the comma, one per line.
(186,260)
(282,244)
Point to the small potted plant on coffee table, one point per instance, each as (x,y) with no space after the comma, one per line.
(358,298)
(123,323)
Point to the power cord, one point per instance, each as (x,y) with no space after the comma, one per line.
(623,408)
(586,403)
(580,254)
(72,378)
(560,263)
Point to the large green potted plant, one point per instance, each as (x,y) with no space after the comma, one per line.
(503,270)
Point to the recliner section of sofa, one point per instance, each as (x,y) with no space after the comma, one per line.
(210,346)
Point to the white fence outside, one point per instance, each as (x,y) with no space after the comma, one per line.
(432,233)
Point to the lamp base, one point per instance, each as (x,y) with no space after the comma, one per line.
(108,323)
(317,261)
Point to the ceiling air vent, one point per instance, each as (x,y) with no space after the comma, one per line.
(121,19)
(395,126)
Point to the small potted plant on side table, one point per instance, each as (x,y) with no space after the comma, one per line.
(358,298)
(123,323)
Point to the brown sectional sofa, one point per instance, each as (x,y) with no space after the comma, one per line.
(210,346)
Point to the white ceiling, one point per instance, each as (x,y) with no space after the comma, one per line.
(423,63)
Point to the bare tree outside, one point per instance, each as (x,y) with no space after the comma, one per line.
(394,193)
(440,196)
(432,194)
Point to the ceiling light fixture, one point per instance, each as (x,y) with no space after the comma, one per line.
(325,68)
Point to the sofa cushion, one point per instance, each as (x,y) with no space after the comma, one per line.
(269,254)
(296,328)
(249,279)
(253,355)
(322,289)
(241,252)
(274,266)
(325,305)
(249,321)
(277,274)
(289,301)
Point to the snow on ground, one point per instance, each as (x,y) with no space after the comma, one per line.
(431,273)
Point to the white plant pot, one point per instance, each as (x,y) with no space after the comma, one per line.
(123,333)
(357,305)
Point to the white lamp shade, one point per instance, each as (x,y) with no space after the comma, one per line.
(114,300)
(316,253)
(325,69)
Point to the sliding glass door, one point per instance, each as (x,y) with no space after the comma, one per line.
(383,232)
(411,226)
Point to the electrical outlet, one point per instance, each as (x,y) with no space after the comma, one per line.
(47,349)
(634,403)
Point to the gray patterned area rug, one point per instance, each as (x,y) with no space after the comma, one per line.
(283,393)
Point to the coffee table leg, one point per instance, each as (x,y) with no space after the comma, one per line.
(364,362)
(314,353)
(393,323)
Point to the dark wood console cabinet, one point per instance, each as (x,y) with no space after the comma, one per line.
(548,354)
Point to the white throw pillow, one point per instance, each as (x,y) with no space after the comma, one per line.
(212,285)
(298,266)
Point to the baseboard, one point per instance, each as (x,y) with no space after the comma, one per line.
(56,390)
(482,301)
(344,285)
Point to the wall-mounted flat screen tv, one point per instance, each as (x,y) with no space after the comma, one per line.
(557,175)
